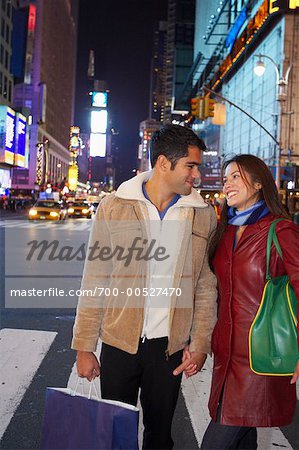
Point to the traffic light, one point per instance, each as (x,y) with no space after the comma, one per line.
(197,107)
(201,114)
(195,102)
(209,105)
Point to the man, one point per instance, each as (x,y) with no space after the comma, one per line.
(156,310)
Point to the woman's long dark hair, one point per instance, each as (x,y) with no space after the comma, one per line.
(259,173)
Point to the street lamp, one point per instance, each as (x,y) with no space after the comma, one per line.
(259,68)
(281,94)
(281,81)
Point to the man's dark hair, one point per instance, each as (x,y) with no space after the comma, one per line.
(173,141)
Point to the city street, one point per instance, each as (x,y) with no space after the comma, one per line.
(172,127)
(35,353)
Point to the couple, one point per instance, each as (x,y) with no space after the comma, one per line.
(150,340)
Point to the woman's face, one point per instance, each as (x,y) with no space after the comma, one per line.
(240,192)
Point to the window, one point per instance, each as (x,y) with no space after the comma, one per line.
(7,34)
(8,9)
(5,87)
(6,60)
(235,8)
(240,4)
(9,90)
(2,27)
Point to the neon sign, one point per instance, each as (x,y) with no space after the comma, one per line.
(20,141)
(276,6)
(31,18)
(240,44)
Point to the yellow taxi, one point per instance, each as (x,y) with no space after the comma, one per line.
(47,210)
(79,208)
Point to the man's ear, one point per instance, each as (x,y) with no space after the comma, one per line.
(163,163)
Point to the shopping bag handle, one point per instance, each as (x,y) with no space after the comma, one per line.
(272,238)
(91,386)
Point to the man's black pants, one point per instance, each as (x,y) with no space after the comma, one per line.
(122,374)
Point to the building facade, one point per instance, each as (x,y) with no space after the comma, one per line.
(158,73)
(179,57)
(230,35)
(146,130)
(6,78)
(7,115)
(45,88)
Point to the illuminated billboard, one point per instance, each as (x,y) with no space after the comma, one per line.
(7,134)
(73,177)
(99,99)
(75,141)
(98,121)
(20,149)
(97,144)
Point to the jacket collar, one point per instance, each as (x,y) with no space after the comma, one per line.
(249,230)
(132,190)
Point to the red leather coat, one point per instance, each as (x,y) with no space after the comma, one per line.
(249,399)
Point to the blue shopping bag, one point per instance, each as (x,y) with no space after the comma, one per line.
(75,422)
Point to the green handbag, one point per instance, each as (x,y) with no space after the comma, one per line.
(273,345)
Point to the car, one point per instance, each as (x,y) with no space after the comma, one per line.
(79,208)
(47,210)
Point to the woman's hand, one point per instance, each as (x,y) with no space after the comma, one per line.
(192,363)
(295,377)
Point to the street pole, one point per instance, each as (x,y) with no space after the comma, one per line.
(281,95)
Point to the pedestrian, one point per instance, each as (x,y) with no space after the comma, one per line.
(241,400)
(148,340)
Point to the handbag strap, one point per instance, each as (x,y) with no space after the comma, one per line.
(272,238)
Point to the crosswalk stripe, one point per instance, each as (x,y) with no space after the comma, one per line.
(196,393)
(76,225)
(21,353)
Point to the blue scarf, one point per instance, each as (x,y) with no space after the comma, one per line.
(249,215)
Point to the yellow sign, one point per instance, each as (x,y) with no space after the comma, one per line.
(219,114)
(282,5)
(6,157)
(73,177)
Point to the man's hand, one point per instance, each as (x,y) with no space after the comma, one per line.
(192,363)
(295,377)
(87,365)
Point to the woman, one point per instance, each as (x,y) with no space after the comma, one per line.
(240,400)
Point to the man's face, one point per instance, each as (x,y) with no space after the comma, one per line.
(186,171)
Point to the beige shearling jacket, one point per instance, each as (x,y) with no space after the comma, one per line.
(109,306)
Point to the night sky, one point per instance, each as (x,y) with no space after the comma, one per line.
(121,34)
